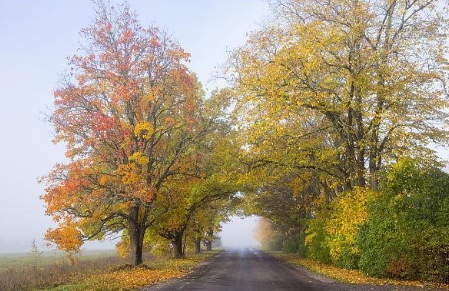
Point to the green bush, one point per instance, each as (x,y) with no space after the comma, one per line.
(275,243)
(407,232)
(317,247)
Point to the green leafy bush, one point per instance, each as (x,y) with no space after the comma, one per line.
(407,233)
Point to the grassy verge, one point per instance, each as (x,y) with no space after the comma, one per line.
(95,270)
(344,275)
(126,278)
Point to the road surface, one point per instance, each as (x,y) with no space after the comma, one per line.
(251,270)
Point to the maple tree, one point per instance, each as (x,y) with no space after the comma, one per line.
(127,112)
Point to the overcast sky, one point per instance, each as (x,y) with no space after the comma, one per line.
(36,37)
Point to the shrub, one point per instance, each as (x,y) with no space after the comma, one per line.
(316,243)
(407,233)
(332,235)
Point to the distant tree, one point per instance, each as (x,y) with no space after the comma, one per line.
(269,237)
(196,196)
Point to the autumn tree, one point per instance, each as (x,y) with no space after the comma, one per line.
(285,204)
(183,204)
(127,111)
(328,95)
(208,183)
(206,223)
(348,86)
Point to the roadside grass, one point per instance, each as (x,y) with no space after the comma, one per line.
(344,275)
(93,270)
(126,278)
(20,271)
(21,259)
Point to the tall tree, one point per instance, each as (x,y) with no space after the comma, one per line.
(127,112)
(370,75)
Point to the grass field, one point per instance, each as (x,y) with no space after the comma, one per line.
(21,259)
(92,270)
(28,271)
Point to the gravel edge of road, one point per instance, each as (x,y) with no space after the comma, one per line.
(313,275)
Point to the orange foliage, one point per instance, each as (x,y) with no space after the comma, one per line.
(126,115)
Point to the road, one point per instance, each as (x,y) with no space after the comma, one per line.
(251,270)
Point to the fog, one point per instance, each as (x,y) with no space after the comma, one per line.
(239,232)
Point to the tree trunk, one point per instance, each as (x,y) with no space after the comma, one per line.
(209,245)
(198,246)
(373,174)
(210,239)
(177,246)
(136,235)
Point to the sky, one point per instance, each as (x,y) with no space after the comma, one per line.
(36,38)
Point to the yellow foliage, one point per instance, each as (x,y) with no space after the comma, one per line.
(67,236)
(139,158)
(129,173)
(337,224)
(349,211)
(144,130)
(131,279)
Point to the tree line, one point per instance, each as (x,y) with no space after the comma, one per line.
(338,104)
(325,127)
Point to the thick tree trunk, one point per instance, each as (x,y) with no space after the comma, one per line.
(198,246)
(136,235)
(178,246)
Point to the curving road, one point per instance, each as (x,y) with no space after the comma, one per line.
(251,270)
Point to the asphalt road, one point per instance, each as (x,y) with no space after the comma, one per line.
(251,270)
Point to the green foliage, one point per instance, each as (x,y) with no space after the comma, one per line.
(326,96)
(275,243)
(407,233)
(317,248)
(295,244)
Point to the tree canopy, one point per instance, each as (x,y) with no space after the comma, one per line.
(343,87)
(328,96)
